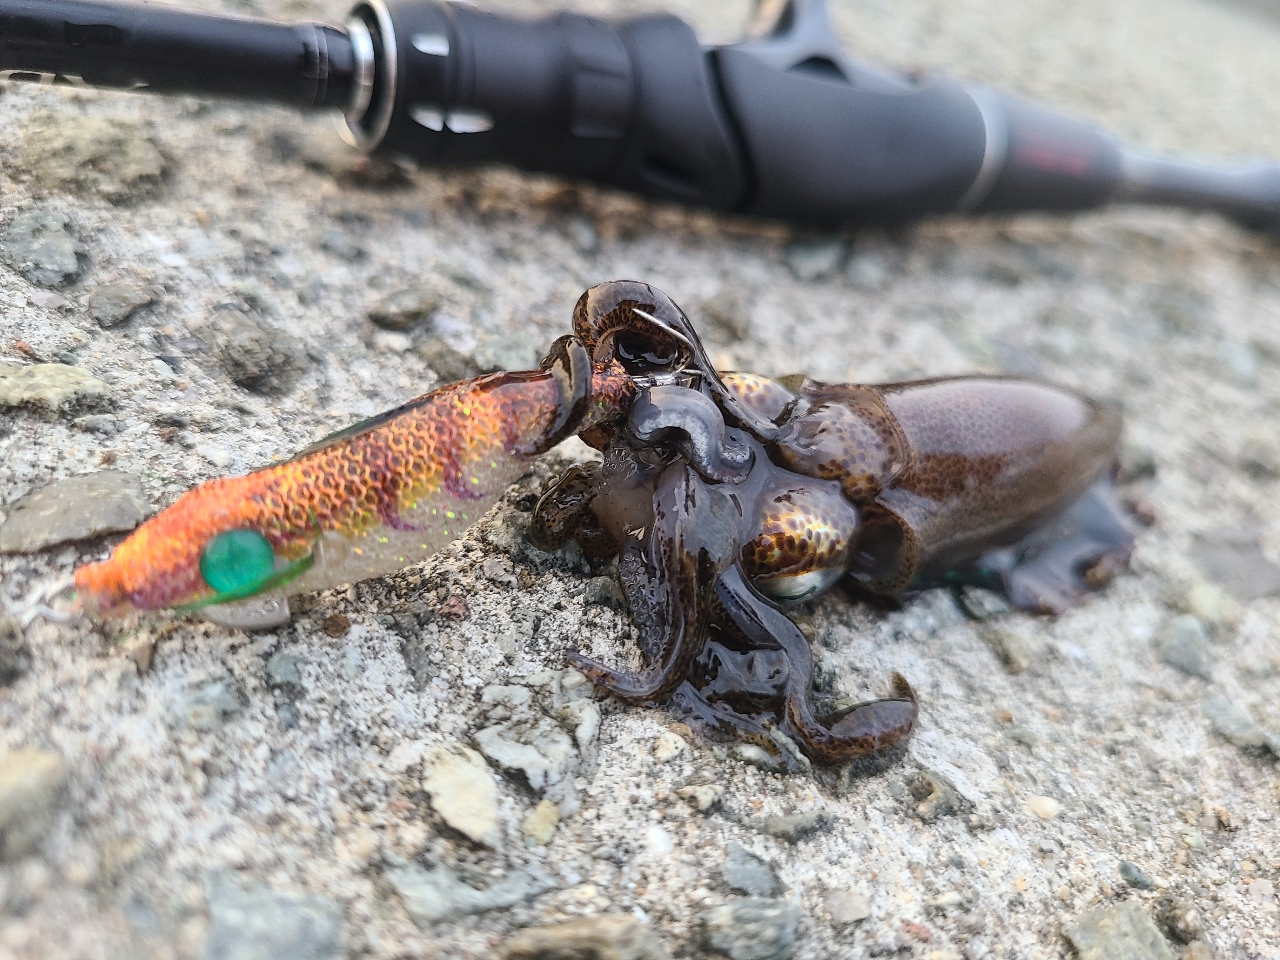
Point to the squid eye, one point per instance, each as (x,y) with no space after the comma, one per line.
(237,561)
(644,354)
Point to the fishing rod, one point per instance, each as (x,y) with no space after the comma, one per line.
(782,124)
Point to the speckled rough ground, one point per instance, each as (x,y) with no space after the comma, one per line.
(185,782)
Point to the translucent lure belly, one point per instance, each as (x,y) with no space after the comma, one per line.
(363,503)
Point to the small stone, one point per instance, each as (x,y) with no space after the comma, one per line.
(207,706)
(404,310)
(101,423)
(1134,876)
(935,797)
(613,936)
(1230,720)
(1180,919)
(335,625)
(113,303)
(340,245)
(1234,559)
(1137,461)
(464,793)
(31,782)
(793,827)
(430,896)
(730,312)
(668,747)
(219,456)
(1260,453)
(1183,643)
(1194,840)
(454,609)
(1262,891)
(703,796)
(1197,951)
(758,756)
(751,929)
(50,387)
(1214,606)
(39,245)
(1011,644)
(49,300)
(139,649)
(256,923)
(844,907)
(658,842)
(1046,808)
(540,825)
(79,508)
(284,672)
(449,364)
(15,659)
(747,873)
(256,357)
(530,743)
(604,592)
(93,156)
(813,259)
(980,604)
(1120,932)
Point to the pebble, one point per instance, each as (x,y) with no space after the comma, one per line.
(1183,643)
(1234,560)
(844,907)
(113,303)
(1180,919)
(1046,808)
(531,743)
(1010,642)
(207,707)
(30,784)
(703,796)
(1232,721)
(540,825)
(78,508)
(1194,840)
(284,672)
(792,827)
(15,659)
(1214,606)
(39,245)
(50,387)
(1120,932)
(430,896)
(256,923)
(747,873)
(730,312)
(463,792)
(256,357)
(815,258)
(604,592)
(612,936)
(751,929)
(403,310)
(93,156)
(1260,453)
(935,797)
(980,604)
(102,423)
(668,747)
(1134,876)
(658,841)
(219,456)
(340,245)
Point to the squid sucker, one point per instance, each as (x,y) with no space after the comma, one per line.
(722,499)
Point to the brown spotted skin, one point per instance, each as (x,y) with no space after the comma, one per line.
(996,481)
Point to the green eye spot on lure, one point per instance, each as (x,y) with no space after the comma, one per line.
(242,563)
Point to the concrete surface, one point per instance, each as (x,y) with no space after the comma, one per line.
(219,801)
